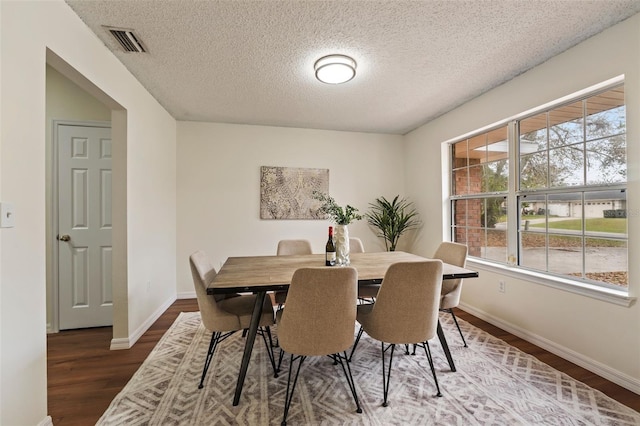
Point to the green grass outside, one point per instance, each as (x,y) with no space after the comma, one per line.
(614,225)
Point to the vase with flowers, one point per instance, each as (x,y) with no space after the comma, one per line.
(341,217)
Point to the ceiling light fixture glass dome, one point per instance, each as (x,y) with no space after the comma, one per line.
(335,69)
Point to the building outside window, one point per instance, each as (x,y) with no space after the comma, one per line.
(546,192)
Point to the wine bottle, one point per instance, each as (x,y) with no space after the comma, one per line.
(330,250)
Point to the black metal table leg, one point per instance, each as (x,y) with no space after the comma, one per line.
(445,347)
(248,346)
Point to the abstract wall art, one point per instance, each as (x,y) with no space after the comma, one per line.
(286,192)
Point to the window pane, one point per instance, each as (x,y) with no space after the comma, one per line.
(566,166)
(607,161)
(477,146)
(533,250)
(475,179)
(533,171)
(475,241)
(496,176)
(460,213)
(606,261)
(565,212)
(565,125)
(532,206)
(460,181)
(565,255)
(606,114)
(496,247)
(459,235)
(533,134)
(497,144)
(460,154)
(470,217)
(494,212)
(606,213)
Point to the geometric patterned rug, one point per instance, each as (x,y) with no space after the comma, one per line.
(495,384)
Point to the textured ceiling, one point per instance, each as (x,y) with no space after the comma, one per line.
(251,62)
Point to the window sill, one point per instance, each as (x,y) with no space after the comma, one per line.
(617,297)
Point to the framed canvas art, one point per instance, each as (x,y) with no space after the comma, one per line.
(286,192)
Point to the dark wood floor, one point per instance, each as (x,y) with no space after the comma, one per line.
(84,375)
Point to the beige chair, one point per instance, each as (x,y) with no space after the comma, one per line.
(405,312)
(318,319)
(453,254)
(293,247)
(290,248)
(223,315)
(355,245)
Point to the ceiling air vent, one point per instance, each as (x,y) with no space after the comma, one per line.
(127,39)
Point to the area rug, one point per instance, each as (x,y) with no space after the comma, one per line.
(495,384)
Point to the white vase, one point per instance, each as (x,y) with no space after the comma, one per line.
(341,240)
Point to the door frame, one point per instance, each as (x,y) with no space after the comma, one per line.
(54,302)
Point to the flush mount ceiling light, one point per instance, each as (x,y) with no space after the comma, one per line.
(335,69)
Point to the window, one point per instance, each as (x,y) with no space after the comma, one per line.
(563,172)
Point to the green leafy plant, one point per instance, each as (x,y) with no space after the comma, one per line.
(337,214)
(392,219)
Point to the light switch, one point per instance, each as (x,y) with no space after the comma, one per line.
(7,215)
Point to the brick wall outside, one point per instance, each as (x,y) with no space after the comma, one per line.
(468,213)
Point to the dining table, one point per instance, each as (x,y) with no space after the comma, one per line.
(263,274)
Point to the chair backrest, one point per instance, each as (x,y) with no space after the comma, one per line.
(355,245)
(453,254)
(406,308)
(292,247)
(320,314)
(203,273)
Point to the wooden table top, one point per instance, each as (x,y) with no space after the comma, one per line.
(270,273)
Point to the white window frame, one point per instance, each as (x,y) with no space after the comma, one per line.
(511,268)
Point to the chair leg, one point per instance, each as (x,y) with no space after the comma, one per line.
(290,388)
(280,359)
(347,373)
(277,342)
(458,325)
(427,351)
(269,346)
(215,338)
(353,349)
(386,375)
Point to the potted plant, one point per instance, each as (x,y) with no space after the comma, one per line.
(392,219)
(341,217)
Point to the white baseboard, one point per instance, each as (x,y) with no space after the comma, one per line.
(128,342)
(602,370)
(187,295)
(47,421)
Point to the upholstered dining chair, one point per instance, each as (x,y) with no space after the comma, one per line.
(355,245)
(290,248)
(453,254)
(405,312)
(318,319)
(224,315)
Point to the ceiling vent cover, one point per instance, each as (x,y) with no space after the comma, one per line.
(127,39)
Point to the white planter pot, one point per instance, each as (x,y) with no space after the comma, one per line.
(341,240)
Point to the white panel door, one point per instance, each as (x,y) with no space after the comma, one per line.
(84,227)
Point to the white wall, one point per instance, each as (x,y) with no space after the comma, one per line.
(219,186)
(591,332)
(144,192)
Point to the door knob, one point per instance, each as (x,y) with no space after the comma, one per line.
(64,237)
